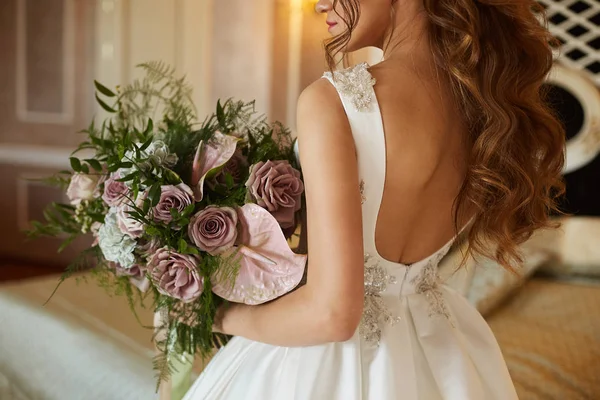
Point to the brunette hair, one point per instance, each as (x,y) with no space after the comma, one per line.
(495,54)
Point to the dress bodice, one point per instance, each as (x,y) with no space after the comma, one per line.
(382,277)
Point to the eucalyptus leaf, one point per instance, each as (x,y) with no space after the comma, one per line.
(154,194)
(220,114)
(184,221)
(105,106)
(146,206)
(103,89)
(229,180)
(129,177)
(192,250)
(172,178)
(125,164)
(149,127)
(94,164)
(182,245)
(75,164)
(188,210)
(152,231)
(146,144)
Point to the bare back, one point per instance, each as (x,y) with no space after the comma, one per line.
(426,163)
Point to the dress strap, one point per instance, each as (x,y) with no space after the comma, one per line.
(355,86)
(356,89)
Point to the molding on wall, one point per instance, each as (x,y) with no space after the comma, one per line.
(178,32)
(65,117)
(36,156)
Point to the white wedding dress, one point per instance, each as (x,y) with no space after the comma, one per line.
(418,339)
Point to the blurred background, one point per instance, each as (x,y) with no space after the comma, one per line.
(83,345)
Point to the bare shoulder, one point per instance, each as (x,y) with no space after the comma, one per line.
(320,110)
(320,92)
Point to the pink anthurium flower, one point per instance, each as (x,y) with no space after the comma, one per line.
(210,156)
(268,267)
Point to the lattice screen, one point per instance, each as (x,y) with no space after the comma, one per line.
(576,23)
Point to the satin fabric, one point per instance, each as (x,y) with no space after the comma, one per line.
(440,347)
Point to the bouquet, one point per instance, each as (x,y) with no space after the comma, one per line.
(187,216)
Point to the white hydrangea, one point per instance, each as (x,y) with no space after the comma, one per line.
(116,246)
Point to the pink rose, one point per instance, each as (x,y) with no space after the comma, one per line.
(128,225)
(177,197)
(176,275)
(214,229)
(137,275)
(115,192)
(146,248)
(277,187)
(237,167)
(83,187)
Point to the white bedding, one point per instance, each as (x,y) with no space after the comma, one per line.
(82,346)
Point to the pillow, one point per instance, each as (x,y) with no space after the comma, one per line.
(484,282)
(578,251)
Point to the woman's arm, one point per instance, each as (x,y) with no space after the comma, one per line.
(329,307)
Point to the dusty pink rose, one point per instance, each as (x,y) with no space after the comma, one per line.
(214,229)
(277,187)
(237,166)
(147,247)
(115,193)
(137,275)
(128,225)
(177,197)
(176,275)
(83,187)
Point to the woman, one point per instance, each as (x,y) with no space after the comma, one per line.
(448,131)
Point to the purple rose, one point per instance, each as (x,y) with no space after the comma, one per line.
(115,192)
(176,275)
(214,229)
(83,187)
(277,187)
(177,197)
(137,275)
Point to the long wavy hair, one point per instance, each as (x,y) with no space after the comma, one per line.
(496,55)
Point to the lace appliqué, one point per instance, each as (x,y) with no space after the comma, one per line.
(356,84)
(375,311)
(428,283)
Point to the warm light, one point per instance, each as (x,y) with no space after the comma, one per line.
(310,4)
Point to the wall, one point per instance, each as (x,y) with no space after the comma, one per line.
(263,50)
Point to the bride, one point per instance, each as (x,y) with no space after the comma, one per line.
(449,131)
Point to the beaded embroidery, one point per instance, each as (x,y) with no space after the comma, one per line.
(428,284)
(375,311)
(361,187)
(356,84)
